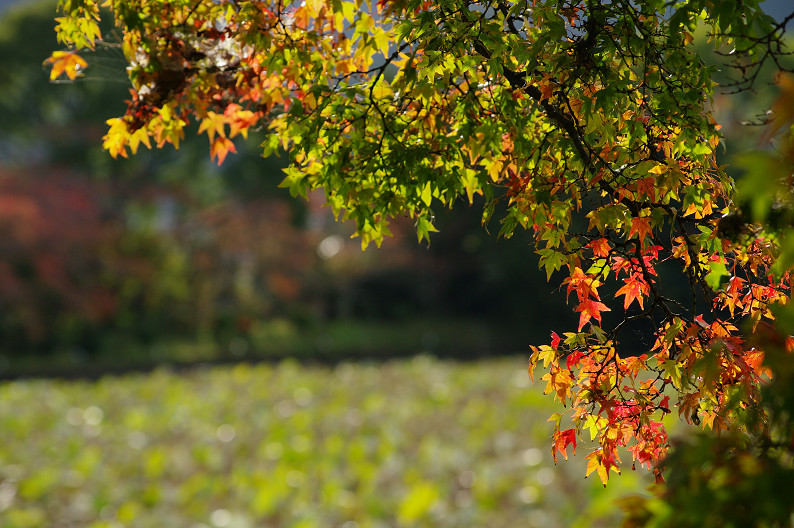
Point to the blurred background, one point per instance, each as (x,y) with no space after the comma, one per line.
(167,257)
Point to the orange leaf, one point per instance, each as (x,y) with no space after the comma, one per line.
(66,62)
(733,294)
(641,226)
(558,381)
(585,285)
(635,288)
(546,86)
(561,442)
(590,308)
(220,147)
(647,187)
(601,247)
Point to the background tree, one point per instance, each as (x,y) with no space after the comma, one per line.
(174,257)
(588,122)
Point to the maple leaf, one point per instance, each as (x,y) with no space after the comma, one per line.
(644,452)
(551,260)
(632,265)
(213,124)
(635,288)
(138,137)
(220,147)
(585,285)
(647,187)
(240,120)
(555,341)
(546,86)
(640,226)
(115,141)
(562,439)
(558,381)
(601,247)
(573,359)
(633,364)
(733,294)
(66,62)
(754,360)
(545,353)
(601,461)
(590,309)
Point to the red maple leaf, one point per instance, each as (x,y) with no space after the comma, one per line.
(585,285)
(635,288)
(590,308)
(561,442)
(601,247)
(573,359)
(555,341)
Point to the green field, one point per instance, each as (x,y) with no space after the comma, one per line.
(413,443)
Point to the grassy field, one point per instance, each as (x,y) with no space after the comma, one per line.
(419,443)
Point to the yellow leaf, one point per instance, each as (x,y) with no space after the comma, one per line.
(595,465)
(381,90)
(547,354)
(213,123)
(471,184)
(382,41)
(139,136)
(115,141)
(349,11)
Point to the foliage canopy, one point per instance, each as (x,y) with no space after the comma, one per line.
(588,121)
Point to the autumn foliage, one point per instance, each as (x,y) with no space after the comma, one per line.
(588,121)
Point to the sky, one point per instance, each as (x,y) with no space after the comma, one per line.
(5,3)
(778,8)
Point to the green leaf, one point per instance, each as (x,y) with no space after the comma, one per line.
(423,229)
(717,276)
(551,260)
(427,194)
